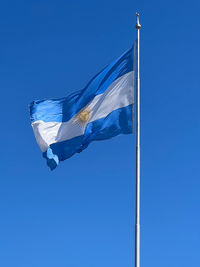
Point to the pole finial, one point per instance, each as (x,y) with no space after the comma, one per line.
(138,26)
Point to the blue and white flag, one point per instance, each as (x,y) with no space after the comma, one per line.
(102,110)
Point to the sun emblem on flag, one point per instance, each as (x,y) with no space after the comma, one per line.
(83,117)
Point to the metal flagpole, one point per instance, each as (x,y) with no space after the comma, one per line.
(137,217)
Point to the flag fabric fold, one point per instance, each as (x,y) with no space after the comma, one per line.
(102,110)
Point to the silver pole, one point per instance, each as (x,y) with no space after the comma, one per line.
(137,217)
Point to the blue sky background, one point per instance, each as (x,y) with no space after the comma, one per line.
(82,214)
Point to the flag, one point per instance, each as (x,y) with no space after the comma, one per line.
(102,110)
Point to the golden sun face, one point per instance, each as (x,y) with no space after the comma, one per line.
(84,116)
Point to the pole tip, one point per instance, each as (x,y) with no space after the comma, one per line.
(138,26)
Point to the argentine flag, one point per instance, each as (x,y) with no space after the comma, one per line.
(102,110)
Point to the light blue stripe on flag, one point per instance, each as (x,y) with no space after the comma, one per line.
(102,110)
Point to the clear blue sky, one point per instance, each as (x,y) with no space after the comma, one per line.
(82,214)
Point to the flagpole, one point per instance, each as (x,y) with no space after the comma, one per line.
(137,217)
